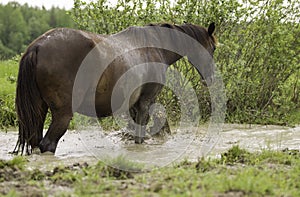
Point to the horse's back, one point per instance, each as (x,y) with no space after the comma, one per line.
(59,55)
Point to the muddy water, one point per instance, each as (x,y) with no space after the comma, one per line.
(91,145)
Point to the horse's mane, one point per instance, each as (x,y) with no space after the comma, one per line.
(195,31)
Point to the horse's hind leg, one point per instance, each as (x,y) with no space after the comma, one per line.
(58,127)
(38,136)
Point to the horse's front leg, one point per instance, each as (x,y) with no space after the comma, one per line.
(160,127)
(132,121)
(141,119)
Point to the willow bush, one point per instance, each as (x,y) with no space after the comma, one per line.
(260,63)
(258,53)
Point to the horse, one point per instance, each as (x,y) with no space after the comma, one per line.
(49,68)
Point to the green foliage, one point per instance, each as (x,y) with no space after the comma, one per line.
(258,55)
(110,123)
(20,25)
(102,17)
(7,112)
(122,165)
(260,64)
(5,52)
(235,155)
(8,76)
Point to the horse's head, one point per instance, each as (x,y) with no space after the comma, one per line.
(202,58)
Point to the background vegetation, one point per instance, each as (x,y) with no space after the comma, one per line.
(20,25)
(258,55)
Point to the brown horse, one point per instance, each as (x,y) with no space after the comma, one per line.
(50,66)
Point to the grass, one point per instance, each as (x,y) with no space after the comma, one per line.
(237,173)
(8,77)
(17,162)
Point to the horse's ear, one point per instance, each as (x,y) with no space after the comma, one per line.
(211,28)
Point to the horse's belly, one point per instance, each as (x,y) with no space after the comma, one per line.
(107,103)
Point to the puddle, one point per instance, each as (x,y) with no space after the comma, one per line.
(256,138)
(93,145)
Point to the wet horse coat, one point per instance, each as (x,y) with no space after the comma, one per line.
(49,67)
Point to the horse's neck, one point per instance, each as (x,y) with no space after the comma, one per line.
(170,57)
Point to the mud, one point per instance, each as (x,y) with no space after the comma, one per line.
(92,145)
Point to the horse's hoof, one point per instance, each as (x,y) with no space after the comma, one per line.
(47,146)
(36,151)
(138,140)
(48,153)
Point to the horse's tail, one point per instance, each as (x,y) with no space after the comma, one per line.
(30,106)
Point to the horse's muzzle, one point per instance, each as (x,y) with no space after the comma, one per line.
(208,81)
